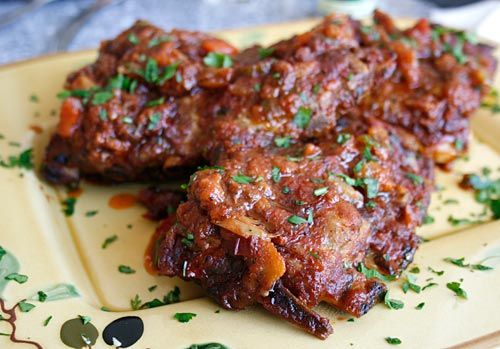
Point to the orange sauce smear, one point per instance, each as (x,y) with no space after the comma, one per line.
(149,255)
(122,201)
(75,193)
(35,128)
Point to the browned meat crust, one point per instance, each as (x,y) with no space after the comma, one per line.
(322,150)
(306,216)
(137,113)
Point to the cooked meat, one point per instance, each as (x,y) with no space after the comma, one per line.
(441,77)
(160,202)
(137,113)
(320,149)
(304,218)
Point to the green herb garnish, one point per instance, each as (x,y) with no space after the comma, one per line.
(125,269)
(109,240)
(19,278)
(218,60)
(457,289)
(302,117)
(69,206)
(242,179)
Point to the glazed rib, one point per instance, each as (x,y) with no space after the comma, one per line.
(321,152)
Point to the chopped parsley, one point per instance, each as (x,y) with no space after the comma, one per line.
(173,296)
(135,303)
(285,190)
(342,138)
(25,307)
(42,296)
(47,320)
(420,306)
(184,317)
(168,73)
(125,269)
(155,102)
(24,160)
(393,303)
(19,278)
(151,71)
(152,288)
(428,219)
(101,97)
(188,240)
(242,179)
(393,340)
(276,174)
(437,272)
(416,179)
(69,206)
(320,191)
(296,220)
(373,273)
(109,240)
(103,114)
(457,289)
(265,52)
(91,213)
(429,285)
(122,82)
(460,262)
(85,319)
(302,117)
(415,270)
(34,98)
(282,142)
(133,39)
(154,119)
(410,284)
(156,41)
(218,60)
(2,252)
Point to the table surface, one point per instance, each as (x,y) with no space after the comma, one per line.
(33,34)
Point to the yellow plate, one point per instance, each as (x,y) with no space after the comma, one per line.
(53,249)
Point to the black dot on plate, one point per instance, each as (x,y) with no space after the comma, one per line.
(123,332)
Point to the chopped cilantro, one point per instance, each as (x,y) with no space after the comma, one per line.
(218,60)
(34,98)
(184,317)
(156,41)
(207,346)
(2,252)
(125,269)
(415,270)
(152,288)
(285,190)
(109,240)
(172,296)
(429,285)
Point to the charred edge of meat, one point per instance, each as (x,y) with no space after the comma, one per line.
(284,304)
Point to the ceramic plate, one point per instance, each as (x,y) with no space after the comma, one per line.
(68,259)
